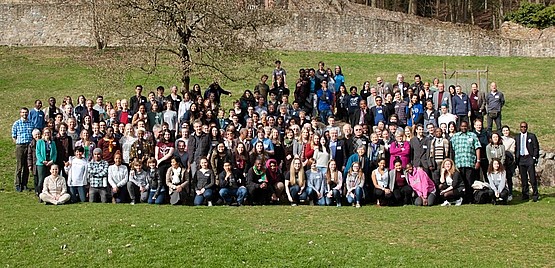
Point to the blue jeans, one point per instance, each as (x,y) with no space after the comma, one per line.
(159,199)
(357,198)
(312,194)
(199,199)
(294,190)
(324,114)
(78,193)
(228,193)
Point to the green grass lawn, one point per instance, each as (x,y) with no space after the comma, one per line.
(93,235)
(105,235)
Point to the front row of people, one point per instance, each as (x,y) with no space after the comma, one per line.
(262,183)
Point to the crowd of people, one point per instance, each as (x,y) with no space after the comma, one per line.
(385,143)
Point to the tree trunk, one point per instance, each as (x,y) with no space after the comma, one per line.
(471,12)
(373,3)
(186,68)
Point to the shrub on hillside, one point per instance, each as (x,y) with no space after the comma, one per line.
(533,15)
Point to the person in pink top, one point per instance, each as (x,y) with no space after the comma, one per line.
(422,185)
(399,148)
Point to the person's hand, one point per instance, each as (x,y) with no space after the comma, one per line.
(288,157)
(30,168)
(425,201)
(290,199)
(319,194)
(330,194)
(115,190)
(442,192)
(66,163)
(142,189)
(477,166)
(497,195)
(198,192)
(202,190)
(387,191)
(179,189)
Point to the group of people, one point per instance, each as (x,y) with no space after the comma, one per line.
(389,144)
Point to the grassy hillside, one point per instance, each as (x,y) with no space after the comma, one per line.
(106,235)
(38,73)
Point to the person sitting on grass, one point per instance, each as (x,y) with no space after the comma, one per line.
(497,182)
(204,181)
(97,176)
(334,181)
(231,186)
(76,169)
(177,180)
(451,183)
(118,176)
(54,188)
(138,183)
(295,183)
(383,184)
(422,185)
(316,183)
(354,183)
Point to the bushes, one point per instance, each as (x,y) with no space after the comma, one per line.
(533,15)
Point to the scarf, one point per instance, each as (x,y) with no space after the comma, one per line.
(110,144)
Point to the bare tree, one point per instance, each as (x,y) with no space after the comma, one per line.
(216,36)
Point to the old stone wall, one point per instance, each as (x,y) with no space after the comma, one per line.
(339,27)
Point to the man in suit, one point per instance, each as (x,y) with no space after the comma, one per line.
(401,85)
(526,157)
(362,115)
(95,115)
(441,97)
(337,149)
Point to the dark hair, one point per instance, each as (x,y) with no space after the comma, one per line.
(397,160)
(139,86)
(501,167)
(160,88)
(79,149)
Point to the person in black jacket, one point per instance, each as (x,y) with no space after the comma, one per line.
(198,145)
(231,185)
(257,184)
(527,153)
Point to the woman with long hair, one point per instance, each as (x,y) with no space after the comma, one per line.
(510,165)
(322,154)
(334,183)
(258,152)
(127,142)
(497,182)
(383,184)
(295,183)
(46,156)
(450,183)
(354,183)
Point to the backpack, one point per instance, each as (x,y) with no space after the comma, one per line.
(481,196)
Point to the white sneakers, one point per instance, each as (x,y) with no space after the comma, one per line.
(209,203)
(445,203)
(510,198)
(459,202)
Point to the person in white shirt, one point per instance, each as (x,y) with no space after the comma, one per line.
(446,116)
(76,169)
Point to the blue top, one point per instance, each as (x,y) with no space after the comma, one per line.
(324,99)
(339,80)
(22,131)
(37,118)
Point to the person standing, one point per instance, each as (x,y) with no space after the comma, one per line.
(477,103)
(526,157)
(22,134)
(494,103)
(461,105)
(466,147)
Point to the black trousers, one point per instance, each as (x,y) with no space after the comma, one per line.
(527,171)
(403,195)
(468,175)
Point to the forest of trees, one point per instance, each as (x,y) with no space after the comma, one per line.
(488,14)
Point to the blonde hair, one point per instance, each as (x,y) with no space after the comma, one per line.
(293,174)
(453,168)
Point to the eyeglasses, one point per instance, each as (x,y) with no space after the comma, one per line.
(358,129)
(523,126)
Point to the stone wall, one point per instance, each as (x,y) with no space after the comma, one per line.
(45,25)
(337,26)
